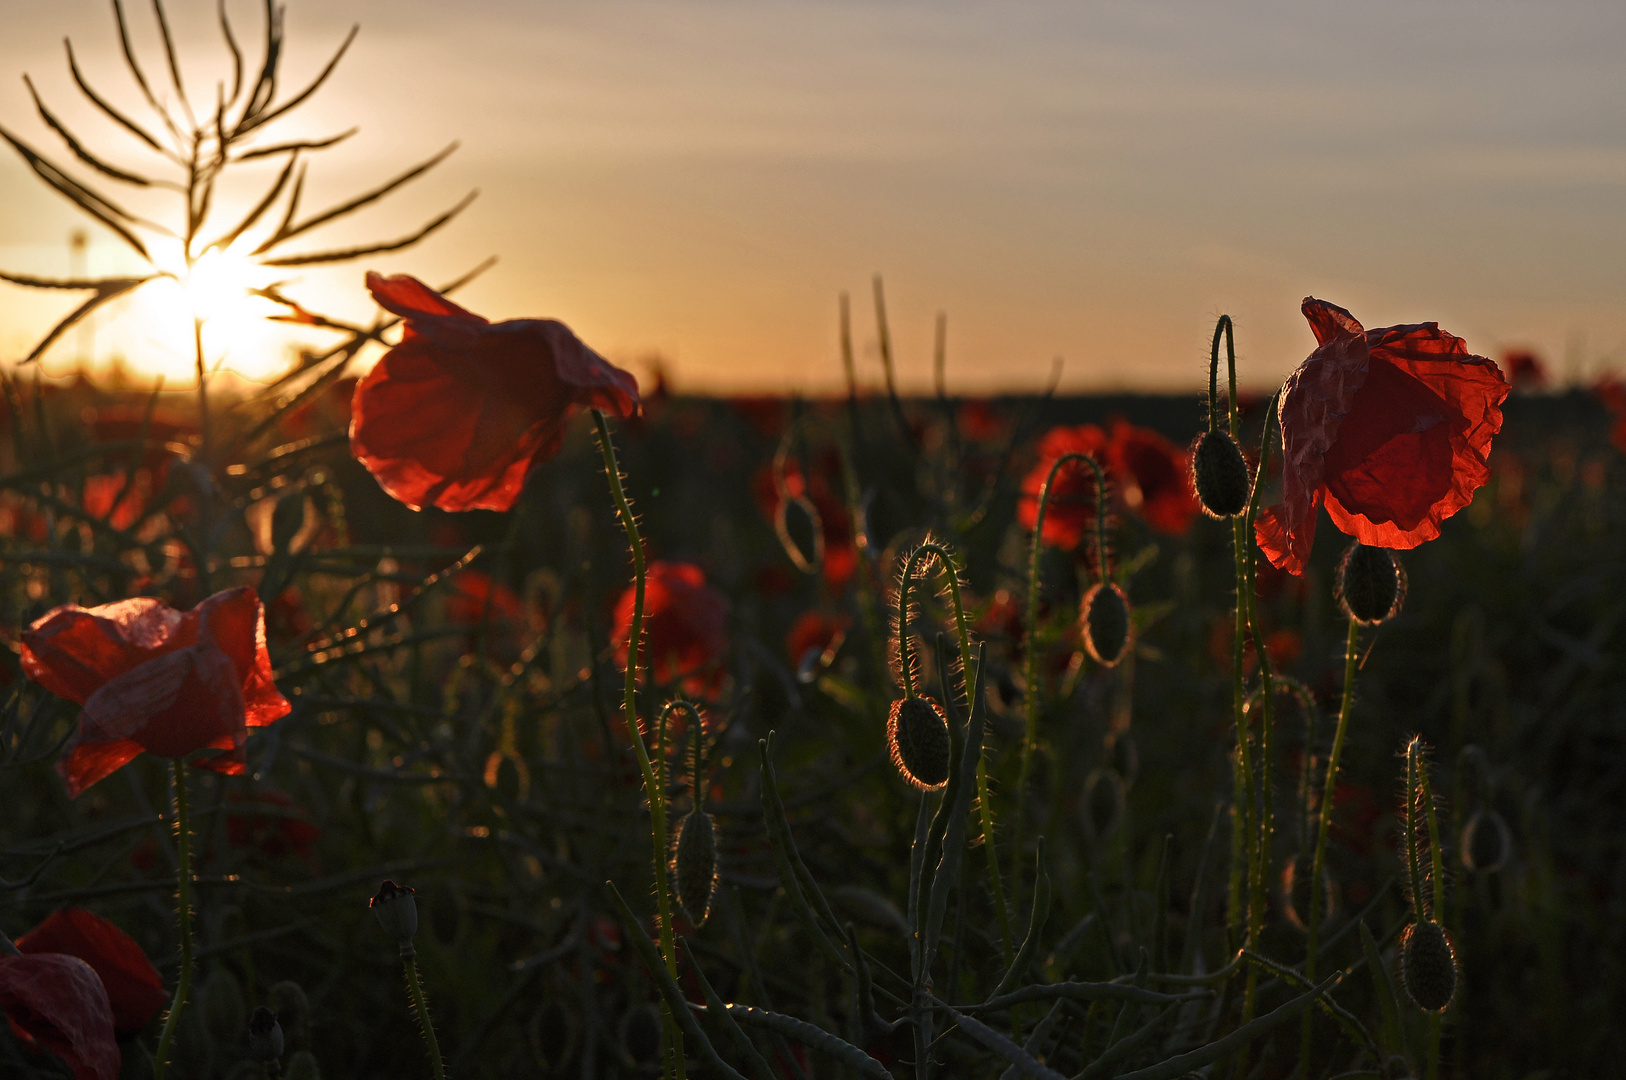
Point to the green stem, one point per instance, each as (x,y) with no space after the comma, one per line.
(1248,795)
(652,788)
(183,904)
(422,1007)
(968,679)
(1313,918)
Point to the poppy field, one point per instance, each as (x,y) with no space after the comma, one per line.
(484,713)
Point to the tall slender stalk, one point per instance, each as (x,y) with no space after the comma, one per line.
(652,785)
(1313,917)
(430,1041)
(183,905)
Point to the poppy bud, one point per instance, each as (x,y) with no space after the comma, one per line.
(1486,842)
(264,1035)
(1371,583)
(1103,803)
(694,865)
(397,912)
(1105,622)
(1428,967)
(918,735)
(1296,892)
(1220,474)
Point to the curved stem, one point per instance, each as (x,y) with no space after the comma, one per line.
(183,904)
(699,739)
(652,787)
(1228,329)
(422,1007)
(1313,919)
(968,680)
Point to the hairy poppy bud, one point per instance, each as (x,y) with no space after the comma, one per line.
(1220,474)
(694,865)
(1371,583)
(264,1035)
(1428,967)
(397,912)
(918,735)
(1485,842)
(1105,622)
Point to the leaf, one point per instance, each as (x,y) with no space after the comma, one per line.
(374,249)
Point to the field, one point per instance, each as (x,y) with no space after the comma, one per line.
(457,726)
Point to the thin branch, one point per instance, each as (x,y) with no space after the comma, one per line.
(106,290)
(174,67)
(140,78)
(87,200)
(117,117)
(236,54)
(304,144)
(289,231)
(356,253)
(265,118)
(225,240)
(77,147)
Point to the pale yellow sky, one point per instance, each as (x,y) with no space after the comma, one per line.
(700,180)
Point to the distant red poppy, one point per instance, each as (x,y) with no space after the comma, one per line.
(56,1003)
(270,822)
(102,489)
(134,989)
(840,549)
(982,420)
(1612,392)
(156,679)
(1152,474)
(814,630)
(1525,369)
(1071,510)
(474,598)
(457,413)
(685,626)
(1390,428)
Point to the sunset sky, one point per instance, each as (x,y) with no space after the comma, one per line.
(699,181)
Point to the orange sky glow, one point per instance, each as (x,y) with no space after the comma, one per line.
(698,182)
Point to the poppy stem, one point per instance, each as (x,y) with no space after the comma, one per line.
(1030,661)
(951,571)
(652,786)
(1313,919)
(183,904)
(1225,327)
(415,987)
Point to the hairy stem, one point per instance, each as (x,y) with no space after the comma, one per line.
(183,905)
(422,1007)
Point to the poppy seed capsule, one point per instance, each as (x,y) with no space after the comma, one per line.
(1371,584)
(694,865)
(1105,622)
(1428,967)
(917,734)
(1220,474)
(264,1035)
(397,912)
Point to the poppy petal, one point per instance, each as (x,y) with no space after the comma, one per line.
(72,651)
(58,1002)
(406,296)
(85,763)
(134,989)
(175,704)
(235,621)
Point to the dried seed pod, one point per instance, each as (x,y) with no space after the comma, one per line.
(1486,842)
(694,865)
(1220,474)
(1371,584)
(918,735)
(1104,622)
(1428,966)
(397,911)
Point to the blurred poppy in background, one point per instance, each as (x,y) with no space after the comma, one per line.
(1152,474)
(156,679)
(1148,469)
(1612,392)
(685,627)
(1071,510)
(135,991)
(457,413)
(1524,370)
(1389,428)
(56,1004)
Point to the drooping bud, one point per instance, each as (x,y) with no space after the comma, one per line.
(264,1035)
(694,865)
(397,911)
(1104,620)
(918,735)
(1428,966)
(1486,842)
(1220,474)
(1371,584)
(1295,897)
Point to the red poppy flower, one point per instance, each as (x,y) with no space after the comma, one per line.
(813,633)
(457,413)
(1611,390)
(1390,428)
(56,1003)
(1153,474)
(474,598)
(1525,369)
(1071,510)
(271,823)
(685,625)
(840,549)
(134,990)
(156,679)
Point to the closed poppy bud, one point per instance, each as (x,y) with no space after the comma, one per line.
(694,865)
(917,734)
(1220,474)
(1428,966)
(264,1035)
(397,912)
(1485,842)
(1104,620)
(1371,584)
